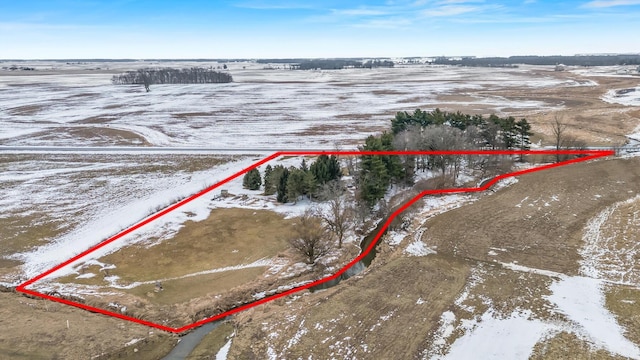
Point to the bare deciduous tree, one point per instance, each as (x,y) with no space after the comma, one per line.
(311,239)
(339,217)
(558,129)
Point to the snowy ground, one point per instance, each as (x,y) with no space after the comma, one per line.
(97,205)
(108,218)
(628,97)
(580,299)
(264,108)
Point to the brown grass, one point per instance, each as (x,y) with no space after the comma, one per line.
(568,346)
(26,110)
(228,237)
(623,302)
(37,329)
(183,290)
(212,343)
(537,231)
(354,310)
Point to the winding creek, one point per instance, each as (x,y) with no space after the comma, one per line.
(191,340)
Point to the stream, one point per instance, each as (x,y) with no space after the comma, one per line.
(188,342)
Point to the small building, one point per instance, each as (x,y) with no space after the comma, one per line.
(224,193)
(561,67)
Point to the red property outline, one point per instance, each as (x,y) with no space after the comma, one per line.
(588,155)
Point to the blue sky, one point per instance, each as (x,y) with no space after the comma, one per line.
(37,29)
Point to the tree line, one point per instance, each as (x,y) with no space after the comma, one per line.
(437,131)
(492,132)
(194,75)
(577,60)
(316,231)
(291,183)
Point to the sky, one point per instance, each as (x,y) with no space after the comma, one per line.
(183,29)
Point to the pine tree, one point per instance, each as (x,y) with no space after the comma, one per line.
(374,178)
(282,186)
(295,184)
(252,180)
(309,184)
(269,188)
(523,133)
(508,126)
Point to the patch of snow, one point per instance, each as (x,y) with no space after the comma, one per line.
(420,301)
(515,267)
(445,330)
(272,353)
(86,276)
(582,300)
(396,237)
(298,335)
(418,248)
(133,342)
(630,98)
(493,338)
(597,260)
(224,351)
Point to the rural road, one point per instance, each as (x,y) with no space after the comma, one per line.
(142,149)
(189,342)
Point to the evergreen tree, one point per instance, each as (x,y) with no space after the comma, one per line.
(295,184)
(374,178)
(309,184)
(269,186)
(282,185)
(523,133)
(508,126)
(252,180)
(326,169)
(303,165)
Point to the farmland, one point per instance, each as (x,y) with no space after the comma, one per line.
(509,264)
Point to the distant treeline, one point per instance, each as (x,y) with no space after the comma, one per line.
(578,60)
(193,75)
(340,64)
(330,64)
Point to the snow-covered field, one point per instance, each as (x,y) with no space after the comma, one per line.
(142,198)
(628,97)
(260,109)
(94,197)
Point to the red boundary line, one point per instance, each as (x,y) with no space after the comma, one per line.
(589,155)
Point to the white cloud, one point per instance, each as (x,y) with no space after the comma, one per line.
(610,3)
(360,12)
(450,10)
(384,24)
(262,5)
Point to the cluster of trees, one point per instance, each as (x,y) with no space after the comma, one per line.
(378,63)
(437,131)
(492,132)
(577,60)
(337,64)
(289,184)
(317,232)
(194,75)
